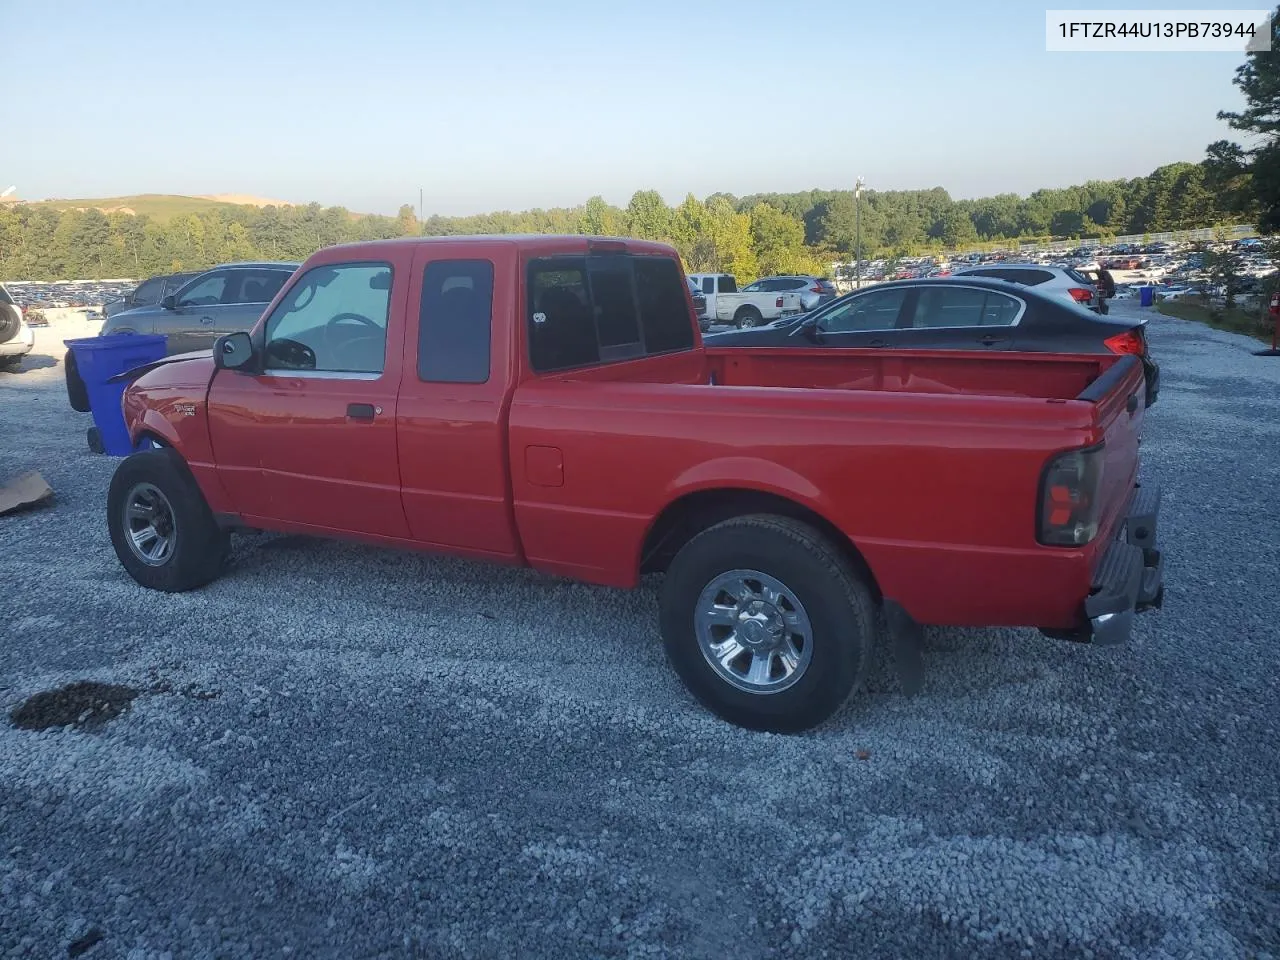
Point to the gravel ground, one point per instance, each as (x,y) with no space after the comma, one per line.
(347,752)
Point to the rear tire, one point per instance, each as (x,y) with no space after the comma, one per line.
(803,610)
(77,392)
(747,317)
(161,527)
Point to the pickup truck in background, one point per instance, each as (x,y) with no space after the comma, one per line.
(548,402)
(725,304)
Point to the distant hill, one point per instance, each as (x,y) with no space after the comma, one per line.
(159,206)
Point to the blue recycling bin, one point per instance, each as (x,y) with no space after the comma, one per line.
(98,359)
(1146,296)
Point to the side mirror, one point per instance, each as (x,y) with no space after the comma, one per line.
(808,327)
(233,351)
(170,302)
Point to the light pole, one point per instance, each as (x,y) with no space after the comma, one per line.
(857,233)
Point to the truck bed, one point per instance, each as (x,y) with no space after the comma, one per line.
(891,448)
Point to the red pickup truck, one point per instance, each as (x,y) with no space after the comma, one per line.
(548,401)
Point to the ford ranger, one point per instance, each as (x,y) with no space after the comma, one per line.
(548,401)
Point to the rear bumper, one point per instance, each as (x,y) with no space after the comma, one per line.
(1129,577)
(22,343)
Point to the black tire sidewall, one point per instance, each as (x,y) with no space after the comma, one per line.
(77,392)
(201,547)
(839,609)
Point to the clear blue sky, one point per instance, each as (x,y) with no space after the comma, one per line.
(508,104)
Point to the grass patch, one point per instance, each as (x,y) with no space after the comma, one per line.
(1252,321)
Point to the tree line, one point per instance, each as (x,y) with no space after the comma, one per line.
(749,236)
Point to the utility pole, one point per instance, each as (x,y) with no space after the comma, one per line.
(857,232)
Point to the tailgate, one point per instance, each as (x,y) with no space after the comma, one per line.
(1120,401)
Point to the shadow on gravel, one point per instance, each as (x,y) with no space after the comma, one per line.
(86,705)
(35,361)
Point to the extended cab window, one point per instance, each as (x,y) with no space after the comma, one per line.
(871,311)
(455,321)
(333,320)
(586,310)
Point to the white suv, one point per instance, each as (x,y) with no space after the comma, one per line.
(16,338)
(1064,282)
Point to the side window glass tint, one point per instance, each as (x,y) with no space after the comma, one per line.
(206,292)
(664,311)
(614,307)
(334,319)
(999,310)
(708,284)
(939,307)
(455,321)
(255,286)
(872,311)
(562,333)
(148,292)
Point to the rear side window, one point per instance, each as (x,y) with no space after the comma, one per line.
(728,284)
(1077,276)
(961,307)
(586,310)
(664,312)
(708,285)
(254,286)
(455,321)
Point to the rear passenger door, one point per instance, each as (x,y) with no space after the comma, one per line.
(450,423)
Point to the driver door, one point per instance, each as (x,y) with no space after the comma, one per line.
(308,440)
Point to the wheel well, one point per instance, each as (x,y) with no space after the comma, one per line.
(685,518)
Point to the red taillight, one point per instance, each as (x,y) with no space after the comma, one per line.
(817,289)
(1131,341)
(1069,506)
(778,303)
(1080,295)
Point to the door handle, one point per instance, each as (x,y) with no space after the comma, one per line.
(877,343)
(206,320)
(989,341)
(360,411)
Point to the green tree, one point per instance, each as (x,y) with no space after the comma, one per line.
(1258,78)
(648,216)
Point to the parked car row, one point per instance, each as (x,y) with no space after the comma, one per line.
(547,401)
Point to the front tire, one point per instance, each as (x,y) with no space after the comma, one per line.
(161,527)
(767,623)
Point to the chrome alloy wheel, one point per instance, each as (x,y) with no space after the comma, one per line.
(753,631)
(149,524)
